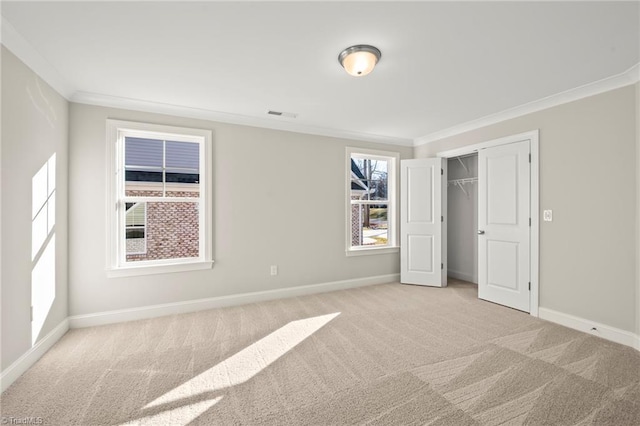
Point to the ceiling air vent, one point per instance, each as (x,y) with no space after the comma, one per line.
(282,114)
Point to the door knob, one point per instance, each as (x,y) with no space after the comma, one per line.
(480,232)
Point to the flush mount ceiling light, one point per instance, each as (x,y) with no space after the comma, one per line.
(360,59)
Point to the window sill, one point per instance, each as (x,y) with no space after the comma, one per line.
(132,271)
(372,250)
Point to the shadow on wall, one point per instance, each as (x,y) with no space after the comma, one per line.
(43,245)
(41,103)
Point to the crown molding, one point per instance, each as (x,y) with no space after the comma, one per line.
(20,47)
(223,117)
(626,78)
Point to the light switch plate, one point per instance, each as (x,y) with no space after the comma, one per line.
(547,215)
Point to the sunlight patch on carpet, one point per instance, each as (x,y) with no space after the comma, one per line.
(176,416)
(248,362)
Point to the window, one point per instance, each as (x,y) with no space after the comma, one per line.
(159,178)
(371,200)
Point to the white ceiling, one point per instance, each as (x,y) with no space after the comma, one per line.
(443,64)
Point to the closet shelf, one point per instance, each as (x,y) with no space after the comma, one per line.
(460,182)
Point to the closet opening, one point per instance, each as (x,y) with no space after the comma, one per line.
(462,218)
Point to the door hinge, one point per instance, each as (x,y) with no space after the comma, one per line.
(442,266)
(529,157)
(442,172)
(31,313)
(441,218)
(529,285)
(529,221)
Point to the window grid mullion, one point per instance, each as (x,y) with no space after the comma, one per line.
(136,199)
(370,201)
(164,168)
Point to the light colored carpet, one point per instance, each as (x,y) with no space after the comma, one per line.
(388,354)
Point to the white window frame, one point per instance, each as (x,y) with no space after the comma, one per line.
(393,159)
(117,130)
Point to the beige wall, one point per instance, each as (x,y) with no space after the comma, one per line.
(34,126)
(279,198)
(588,177)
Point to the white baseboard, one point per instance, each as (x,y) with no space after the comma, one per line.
(613,334)
(144,312)
(22,364)
(460,275)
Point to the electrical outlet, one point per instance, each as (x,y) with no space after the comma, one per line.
(274,269)
(547,215)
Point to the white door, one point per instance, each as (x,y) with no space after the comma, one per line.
(504,225)
(422,231)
